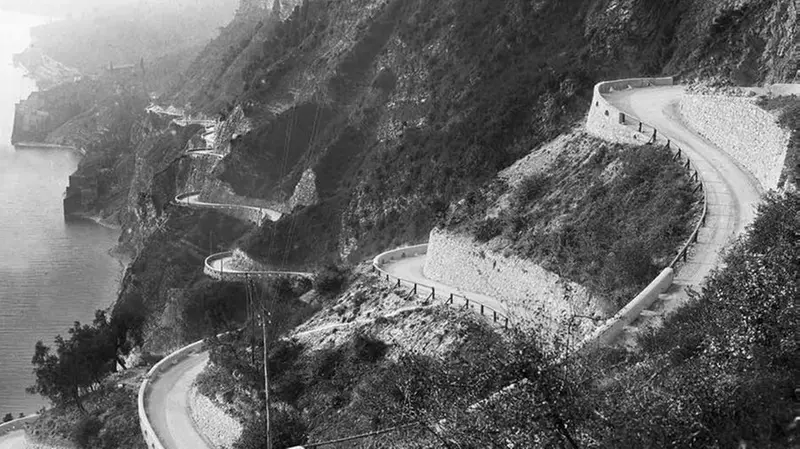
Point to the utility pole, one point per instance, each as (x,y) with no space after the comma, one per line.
(264,317)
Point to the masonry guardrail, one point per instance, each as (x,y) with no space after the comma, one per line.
(694,175)
(254,213)
(614,326)
(420,289)
(149,434)
(242,275)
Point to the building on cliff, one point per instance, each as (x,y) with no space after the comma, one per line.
(30,119)
(81,193)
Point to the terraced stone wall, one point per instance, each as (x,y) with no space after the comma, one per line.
(742,129)
(531,293)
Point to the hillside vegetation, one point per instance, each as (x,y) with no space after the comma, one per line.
(720,373)
(402,107)
(607,216)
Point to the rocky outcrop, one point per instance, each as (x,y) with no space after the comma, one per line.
(233,127)
(305,193)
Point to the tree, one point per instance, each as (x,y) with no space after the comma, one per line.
(79,363)
(8,417)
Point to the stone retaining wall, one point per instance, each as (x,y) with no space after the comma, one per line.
(742,129)
(530,292)
(218,427)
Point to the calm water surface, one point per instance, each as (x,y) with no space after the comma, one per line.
(52,272)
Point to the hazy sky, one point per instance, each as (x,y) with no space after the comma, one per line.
(80,7)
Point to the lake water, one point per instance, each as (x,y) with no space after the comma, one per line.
(52,272)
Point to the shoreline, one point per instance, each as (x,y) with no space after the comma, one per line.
(47,146)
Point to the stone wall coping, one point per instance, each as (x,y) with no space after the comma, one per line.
(165,364)
(418,250)
(614,326)
(209,270)
(261,212)
(606,333)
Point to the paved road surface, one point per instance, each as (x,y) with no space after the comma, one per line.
(205,153)
(195,200)
(411,268)
(13,440)
(732,192)
(167,405)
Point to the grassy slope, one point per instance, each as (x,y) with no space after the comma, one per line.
(604,215)
(720,373)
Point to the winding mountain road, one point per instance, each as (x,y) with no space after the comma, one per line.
(193,199)
(167,405)
(411,268)
(732,192)
(732,196)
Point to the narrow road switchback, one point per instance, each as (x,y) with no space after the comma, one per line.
(732,192)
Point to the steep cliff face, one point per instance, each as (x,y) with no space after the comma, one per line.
(744,41)
(400,107)
(384,112)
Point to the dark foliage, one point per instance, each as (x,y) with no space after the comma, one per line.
(86,430)
(330,279)
(80,363)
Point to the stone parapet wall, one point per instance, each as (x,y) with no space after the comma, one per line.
(530,293)
(162,366)
(742,129)
(604,119)
(241,275)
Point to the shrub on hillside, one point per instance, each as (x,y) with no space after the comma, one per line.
(330,279)
(288,427)
(86,430)
(488,229)
(722,370)
(529,190)
(608,229)
(367,348)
